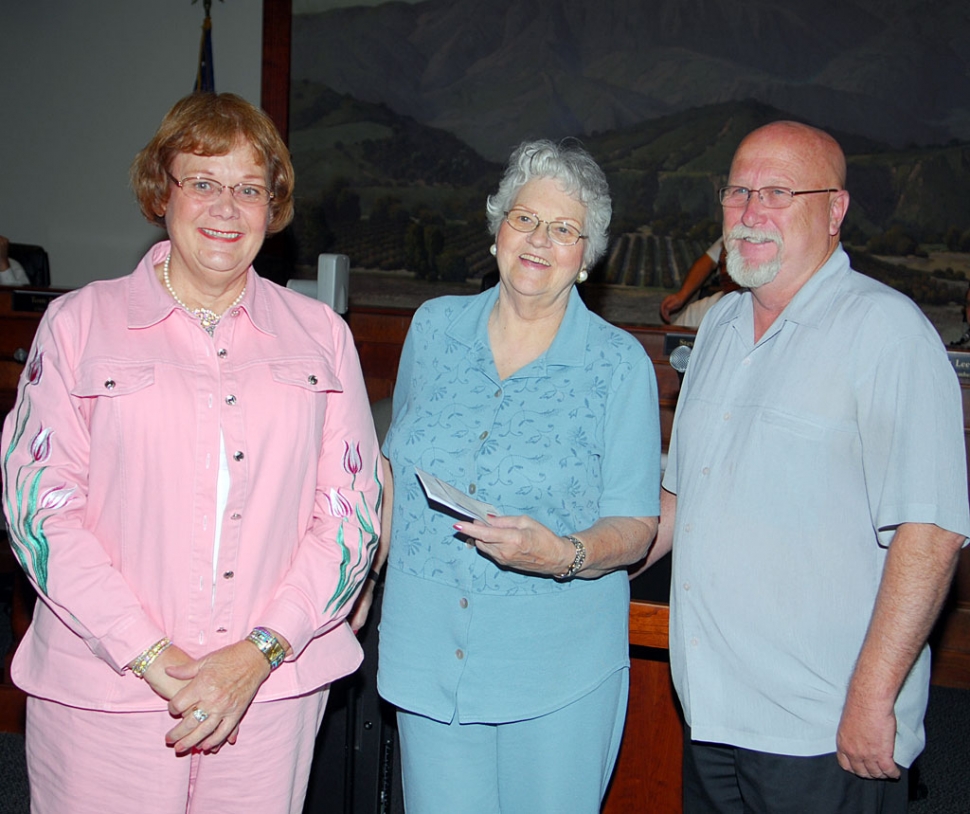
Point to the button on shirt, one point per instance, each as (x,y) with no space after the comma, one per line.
(793,460)
(569,438)
(130,398)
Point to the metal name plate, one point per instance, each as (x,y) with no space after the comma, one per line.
(961,363)
(672,341)
(34,302)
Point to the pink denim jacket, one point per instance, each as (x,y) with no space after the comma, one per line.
(110,464)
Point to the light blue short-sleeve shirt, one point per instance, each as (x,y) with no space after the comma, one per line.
(793,460)
(569,438)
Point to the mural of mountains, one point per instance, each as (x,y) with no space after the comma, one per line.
(894,71)
(656,168)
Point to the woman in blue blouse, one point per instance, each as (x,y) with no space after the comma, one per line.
(504,645)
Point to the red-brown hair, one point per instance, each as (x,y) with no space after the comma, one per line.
(213,124)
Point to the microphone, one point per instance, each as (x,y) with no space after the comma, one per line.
(679,357)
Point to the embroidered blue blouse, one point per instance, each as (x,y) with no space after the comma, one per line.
(569,438)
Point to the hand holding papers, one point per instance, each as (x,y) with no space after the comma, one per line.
(438,491)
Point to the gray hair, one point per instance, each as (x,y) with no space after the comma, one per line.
(578,175)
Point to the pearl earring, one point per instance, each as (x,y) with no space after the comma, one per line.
(493,250)
(582,276)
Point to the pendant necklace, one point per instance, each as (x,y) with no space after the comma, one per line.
(207,319)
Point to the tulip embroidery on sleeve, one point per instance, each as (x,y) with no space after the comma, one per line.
(28,504)
(352,573)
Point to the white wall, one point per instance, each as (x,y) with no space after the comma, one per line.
(83,86)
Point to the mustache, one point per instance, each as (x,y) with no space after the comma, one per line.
(742,232)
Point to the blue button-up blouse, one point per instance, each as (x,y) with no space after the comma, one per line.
(571,437)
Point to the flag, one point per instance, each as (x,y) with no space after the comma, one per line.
(205,79)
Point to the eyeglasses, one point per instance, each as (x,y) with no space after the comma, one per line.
(206,189)
(770,197)
(559,231)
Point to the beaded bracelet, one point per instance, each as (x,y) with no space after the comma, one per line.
(141,664)
(268,645)
(578,562)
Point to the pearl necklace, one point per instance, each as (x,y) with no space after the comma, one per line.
(207,319)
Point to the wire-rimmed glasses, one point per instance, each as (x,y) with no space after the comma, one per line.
(560,231)
(207,189)
(770,197)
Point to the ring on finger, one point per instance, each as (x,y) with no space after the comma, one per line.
(199,715)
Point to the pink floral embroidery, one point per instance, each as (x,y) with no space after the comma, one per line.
(58,497)
(339,505)
(352,462)
(40,447)
(35,370)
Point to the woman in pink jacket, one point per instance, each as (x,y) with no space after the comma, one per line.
(191,484)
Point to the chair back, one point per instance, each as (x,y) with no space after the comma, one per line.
(35,262)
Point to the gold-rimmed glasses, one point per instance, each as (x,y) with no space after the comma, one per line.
(207,189)
(561,232)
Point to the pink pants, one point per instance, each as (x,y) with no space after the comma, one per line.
(83,761)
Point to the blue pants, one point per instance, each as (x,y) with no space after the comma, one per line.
(558,763)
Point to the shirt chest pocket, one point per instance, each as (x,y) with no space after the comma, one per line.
(113,379)
(312,376)
(301,391)
(117,398)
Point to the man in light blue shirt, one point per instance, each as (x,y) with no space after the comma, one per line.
(816,502)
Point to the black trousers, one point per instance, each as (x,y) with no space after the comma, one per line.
(721,779)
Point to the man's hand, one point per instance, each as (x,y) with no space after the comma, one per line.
(670,305)
(865,741)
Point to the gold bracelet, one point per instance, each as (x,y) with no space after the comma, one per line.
(268,645)
(141,664)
